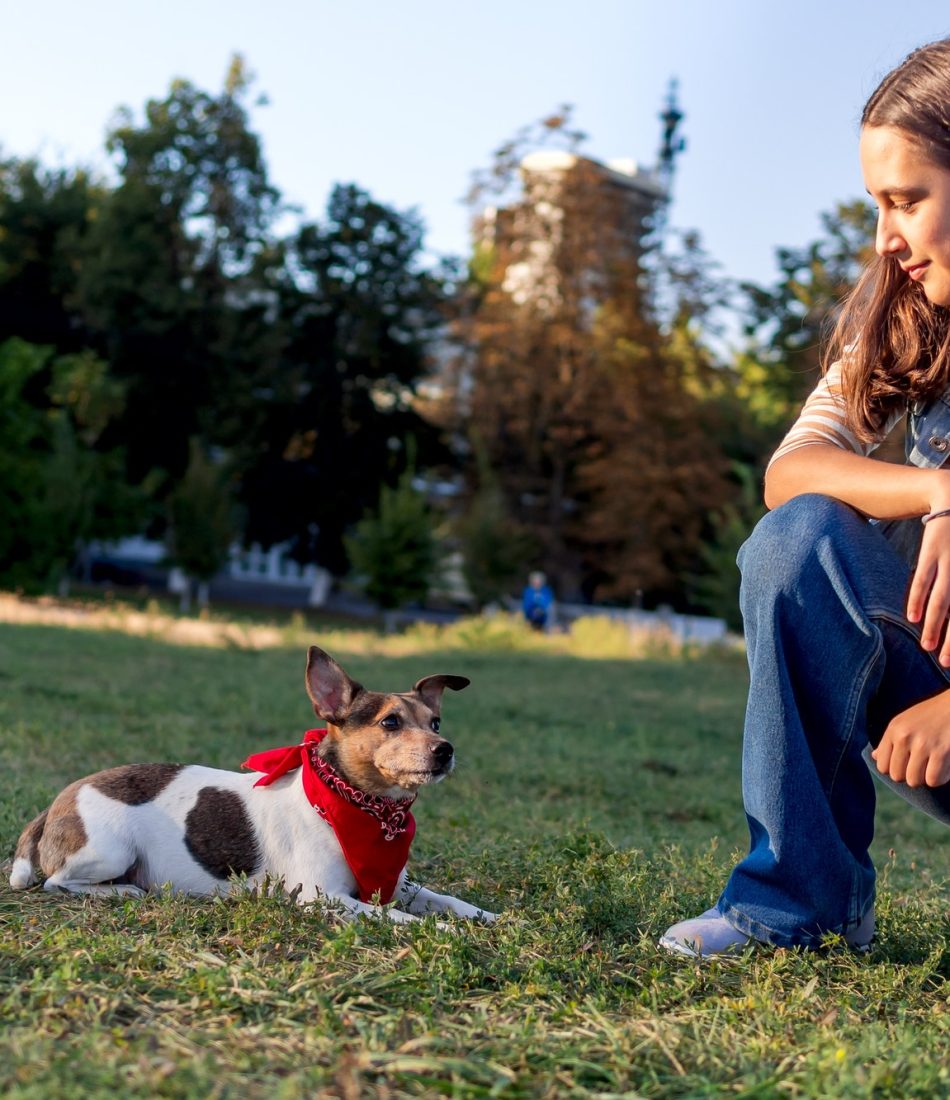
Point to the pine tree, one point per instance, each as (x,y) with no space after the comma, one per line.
(393,549)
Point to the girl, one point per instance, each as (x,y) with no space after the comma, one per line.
(845,618)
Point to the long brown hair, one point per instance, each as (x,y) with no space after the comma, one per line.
(894,344)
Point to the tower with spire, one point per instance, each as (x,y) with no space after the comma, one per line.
(672,143)
(527,235)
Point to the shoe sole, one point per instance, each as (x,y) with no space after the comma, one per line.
(674,947)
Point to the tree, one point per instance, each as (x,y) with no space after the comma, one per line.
(358,318)
(201,524)
(21,464)
(45,215)
(787,322)
(650,474)
(170,261)
(59,487)
(393,549)
(716,589)
(496,550)
(589,413)
(295,358)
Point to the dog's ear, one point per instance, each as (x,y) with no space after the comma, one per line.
(431,688)
(330,689)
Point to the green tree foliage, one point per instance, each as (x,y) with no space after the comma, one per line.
(171,260)
(358,318)
(393,549)
(716,589)
(295,358)
(496,550)
(44,218)
(201,524)
(59,489)
(151,322)
(21,461)
(787,322)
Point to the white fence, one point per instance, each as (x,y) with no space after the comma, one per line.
(697,629)
(272,568)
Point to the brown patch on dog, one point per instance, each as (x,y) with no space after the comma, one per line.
(30,838)
(64,833)
(360,772)
(135,784)
(219,834)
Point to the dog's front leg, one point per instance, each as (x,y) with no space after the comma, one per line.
(420,901)
(350,908)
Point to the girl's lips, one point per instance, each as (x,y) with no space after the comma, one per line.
(915,271)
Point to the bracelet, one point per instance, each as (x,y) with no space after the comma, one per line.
(935,515)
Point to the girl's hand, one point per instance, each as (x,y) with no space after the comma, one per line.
(929,597)
(915,748)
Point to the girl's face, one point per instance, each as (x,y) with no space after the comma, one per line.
(912,193)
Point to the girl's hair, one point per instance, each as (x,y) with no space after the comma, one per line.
(894,344)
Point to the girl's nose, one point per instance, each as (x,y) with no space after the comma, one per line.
(888,241)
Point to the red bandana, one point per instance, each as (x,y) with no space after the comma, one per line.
(374,832)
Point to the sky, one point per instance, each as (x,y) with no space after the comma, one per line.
(408,99)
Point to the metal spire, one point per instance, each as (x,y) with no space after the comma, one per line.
(672,143)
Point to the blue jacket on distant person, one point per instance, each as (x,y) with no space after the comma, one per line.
(537,600)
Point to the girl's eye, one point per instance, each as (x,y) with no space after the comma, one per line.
(390,722)
(904,206)
(435,725)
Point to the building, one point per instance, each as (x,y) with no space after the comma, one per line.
(533,238)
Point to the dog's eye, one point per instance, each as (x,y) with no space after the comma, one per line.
(435,724)
(390,722)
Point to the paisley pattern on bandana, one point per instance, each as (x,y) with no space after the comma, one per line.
(391,813)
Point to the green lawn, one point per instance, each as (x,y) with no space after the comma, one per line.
(595,802)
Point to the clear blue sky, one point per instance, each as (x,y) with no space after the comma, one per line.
(407,98)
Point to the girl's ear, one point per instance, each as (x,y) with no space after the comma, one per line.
(331,691)
(431,688)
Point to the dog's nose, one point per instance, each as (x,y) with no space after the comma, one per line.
(442,751)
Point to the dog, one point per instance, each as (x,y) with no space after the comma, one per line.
(329,818)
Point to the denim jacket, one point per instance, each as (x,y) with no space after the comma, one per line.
(926,444)
(928,432)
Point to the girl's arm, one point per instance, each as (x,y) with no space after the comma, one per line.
(879,489)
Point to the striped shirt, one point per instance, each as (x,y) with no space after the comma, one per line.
(823,420)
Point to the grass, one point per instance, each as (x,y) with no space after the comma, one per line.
(596,801)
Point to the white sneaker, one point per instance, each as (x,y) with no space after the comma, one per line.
(708,934)
(711,934)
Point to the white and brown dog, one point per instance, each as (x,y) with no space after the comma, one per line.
(328,818)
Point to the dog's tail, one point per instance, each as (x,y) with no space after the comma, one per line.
(24,859)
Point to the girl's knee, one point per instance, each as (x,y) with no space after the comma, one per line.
(783,543)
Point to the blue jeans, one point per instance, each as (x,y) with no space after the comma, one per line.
(832,660)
